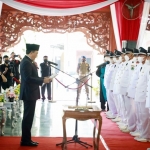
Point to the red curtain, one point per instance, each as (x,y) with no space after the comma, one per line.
(60,3)
(129,28)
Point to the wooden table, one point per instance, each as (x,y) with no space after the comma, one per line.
(82,114)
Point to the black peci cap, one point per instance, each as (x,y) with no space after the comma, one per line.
(128,50)
(148,52)
(142,51)
(107,53)
(118,53)
(112,55)
(123,50)
(32,47)
(135,51)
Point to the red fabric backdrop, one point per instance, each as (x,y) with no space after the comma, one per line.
(60,3)
(129,29)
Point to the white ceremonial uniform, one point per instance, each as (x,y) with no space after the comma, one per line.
(140,98)
(148,93)
(117,96)
(108,66)
(118,76)
(110,98)
(125,78)
(148,99)
(133,81)
(124,83)
(131,94)
(111,88)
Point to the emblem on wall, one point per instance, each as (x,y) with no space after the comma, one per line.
(132,9)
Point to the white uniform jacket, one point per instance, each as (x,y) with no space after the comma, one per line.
(148,93)
(141,87)
(108,76)
(133,81)
(125,77)
(108,66)
(117,78)
(112,79)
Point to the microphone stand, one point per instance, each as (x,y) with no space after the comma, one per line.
(51,86)
(73,77)
(75,138)
(90,101)
(12,68)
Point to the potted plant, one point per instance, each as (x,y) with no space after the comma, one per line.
(2,100)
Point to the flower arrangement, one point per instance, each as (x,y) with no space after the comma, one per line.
(17,91)
(11,95)
(2,98)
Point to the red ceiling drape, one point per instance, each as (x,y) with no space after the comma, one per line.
(60,3)
(128,29)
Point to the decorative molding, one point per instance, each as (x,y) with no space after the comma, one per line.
(95,26)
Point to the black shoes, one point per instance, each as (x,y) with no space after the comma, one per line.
(34,142)
(43,99)
(31,143)
(103,110)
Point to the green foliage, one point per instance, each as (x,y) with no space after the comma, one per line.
(2,98)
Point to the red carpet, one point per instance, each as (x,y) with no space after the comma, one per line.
(117,140)
(46,143)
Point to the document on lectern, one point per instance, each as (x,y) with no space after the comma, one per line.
(51,77)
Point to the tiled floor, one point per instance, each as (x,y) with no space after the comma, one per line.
(48,117)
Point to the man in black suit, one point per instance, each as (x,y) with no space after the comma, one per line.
(15,66)
(0,67)
(7,71)
(45,72)
(29,91)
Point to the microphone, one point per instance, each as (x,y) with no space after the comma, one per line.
(49,62)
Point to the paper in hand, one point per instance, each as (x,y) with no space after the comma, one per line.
(51,77)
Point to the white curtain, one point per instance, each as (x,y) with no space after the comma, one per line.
(115,26)
(143,24)
(56,12)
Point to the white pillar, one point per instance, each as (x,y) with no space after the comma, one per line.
(124,44)
(115,26)
(143,24)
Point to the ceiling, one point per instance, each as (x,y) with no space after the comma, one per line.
(6,7)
